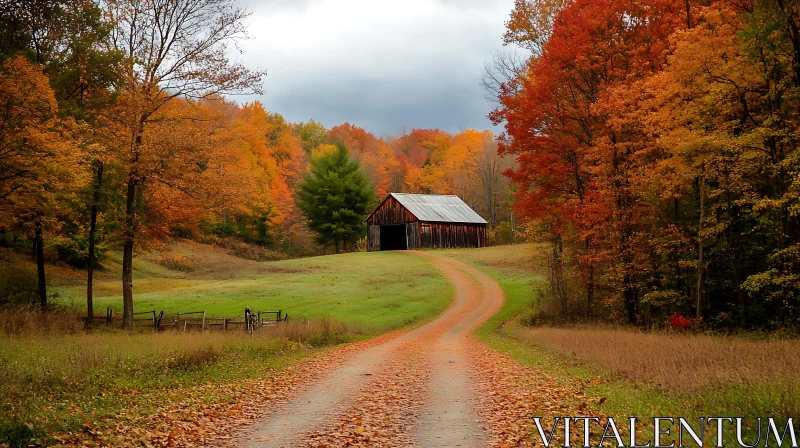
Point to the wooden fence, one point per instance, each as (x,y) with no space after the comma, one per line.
(197,320)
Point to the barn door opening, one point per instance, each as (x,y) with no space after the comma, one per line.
(393,237)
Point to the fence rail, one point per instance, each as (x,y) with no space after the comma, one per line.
(198,320)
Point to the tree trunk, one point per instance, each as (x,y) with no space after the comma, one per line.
(688,14)
(92,230)
(38,241)
(629,297)
(127,251)
(589,283)
(513,233)
(131,204)
(130,229)
(698,311)
(558,281)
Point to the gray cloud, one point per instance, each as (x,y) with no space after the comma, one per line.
(262,6)
(379,65)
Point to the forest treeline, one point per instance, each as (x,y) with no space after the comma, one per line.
(116,133)
(657,151)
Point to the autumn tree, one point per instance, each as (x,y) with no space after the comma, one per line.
(39,163)
(564,145)
(527,31)
(729,163)
(335,197)
(657,152)
(374,154)
(172,49)
(494,189)
(312,133)
(68,39)
(277,158)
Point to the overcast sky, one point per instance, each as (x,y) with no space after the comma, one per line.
(379,64)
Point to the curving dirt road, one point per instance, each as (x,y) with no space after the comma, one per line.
(419,388)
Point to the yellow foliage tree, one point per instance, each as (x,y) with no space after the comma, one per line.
(39,164)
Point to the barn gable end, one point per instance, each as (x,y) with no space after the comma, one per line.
(418,221)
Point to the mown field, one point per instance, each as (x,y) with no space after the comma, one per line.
(58,380)
(642,374)
(376,292)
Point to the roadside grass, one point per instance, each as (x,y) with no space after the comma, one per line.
(638,374)
(76,383)
(511,267)
(57,379)
(677,362)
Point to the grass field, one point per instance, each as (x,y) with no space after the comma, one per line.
(374,291)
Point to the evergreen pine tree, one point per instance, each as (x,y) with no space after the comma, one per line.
(335,197)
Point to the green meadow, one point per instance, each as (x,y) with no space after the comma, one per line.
(376,291)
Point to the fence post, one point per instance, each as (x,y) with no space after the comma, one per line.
(204,320)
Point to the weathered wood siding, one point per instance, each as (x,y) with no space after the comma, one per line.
(373,237)
(412,235)
(390,212)
(449,235)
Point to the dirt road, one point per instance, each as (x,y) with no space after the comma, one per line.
(416,389)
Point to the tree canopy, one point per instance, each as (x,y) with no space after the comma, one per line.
(657,153)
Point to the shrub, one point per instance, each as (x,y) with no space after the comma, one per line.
(249,251)
(176,263)
(501,234)
(74,250)
(361,244)
(193,359)
(18,286)
(529,318)
(19,434)
(680,322)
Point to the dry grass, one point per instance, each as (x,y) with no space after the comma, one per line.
(54,382)
(682,363)
(250,251)
(31,320)
(316,332)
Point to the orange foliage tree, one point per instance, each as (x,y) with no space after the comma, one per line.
(172,49)
(572,164)
(40,165)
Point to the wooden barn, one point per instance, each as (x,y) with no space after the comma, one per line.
(419,221)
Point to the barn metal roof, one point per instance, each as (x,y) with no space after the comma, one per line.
(438,208)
